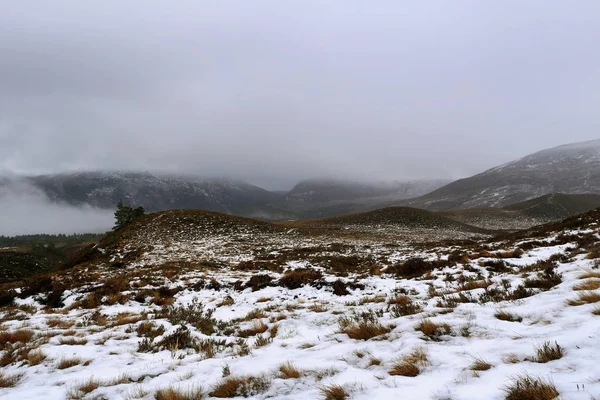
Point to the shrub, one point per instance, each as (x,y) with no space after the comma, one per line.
(299,277)
(412,268)
(193,314)
(258,282)
(401,306)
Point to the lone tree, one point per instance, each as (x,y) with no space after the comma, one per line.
(126,214)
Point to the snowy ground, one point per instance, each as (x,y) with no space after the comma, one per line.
(119,350)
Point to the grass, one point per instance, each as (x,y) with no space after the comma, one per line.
(410,365)
(363,330)
(586,297)
(590,284)
(7,381)
(506,316)
(527,387)
(480,364)
(36,357)
(172,393)
(334,392)
(432,330)
(289,371)
(548,351)
(65,363)
(81,390)
(257,327)
(72,341)
(234,386)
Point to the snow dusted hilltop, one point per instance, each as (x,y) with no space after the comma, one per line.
(201,305)
(571,169)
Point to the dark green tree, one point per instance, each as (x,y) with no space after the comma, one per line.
(126,214)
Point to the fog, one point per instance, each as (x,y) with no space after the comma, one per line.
(26,210)
(273,92)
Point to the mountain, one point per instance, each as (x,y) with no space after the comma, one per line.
(570,169)
(159,192)
(316,198)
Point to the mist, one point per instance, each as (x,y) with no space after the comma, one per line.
(29,211)
(274,92)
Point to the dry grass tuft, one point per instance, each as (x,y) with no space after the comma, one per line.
(587,297)
(289,371)
(590,284)
(479,364)
(433,330)
(364,330)
(36,357)
(548,351)
(506,316)
(527,387)
(589,274)
(81,390)
(7,381)
(334,392)
(411,364)
(234,386)
(72,341)
(172,393)
(65,363)
(257,327)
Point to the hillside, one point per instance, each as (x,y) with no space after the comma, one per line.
(159,192)
(197,305)
(570,169)
(404,222)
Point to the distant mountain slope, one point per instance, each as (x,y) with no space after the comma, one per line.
(406,222)
(571,169)
(557,206)
(157,193)
(317,198)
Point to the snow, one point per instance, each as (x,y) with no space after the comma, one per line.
(313,343)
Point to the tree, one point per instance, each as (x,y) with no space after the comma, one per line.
(126,214)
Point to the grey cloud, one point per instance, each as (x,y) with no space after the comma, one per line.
(273,92)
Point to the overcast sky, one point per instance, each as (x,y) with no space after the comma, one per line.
(276,91)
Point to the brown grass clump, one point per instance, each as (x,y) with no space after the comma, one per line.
(548,351)
(590,274)
(72,341)
(433,330)
(411,364)
(7,381)
(8,338)
(36,357)
(172,393)
(257,327)
(317,308)
(334,392)
(527,387)
(401,305)
(65,363)
(590,284)
(587,297)
(289,371)
(81,390)
(59,323)
(479,364)
(506,316)
(362,330)
(245,386)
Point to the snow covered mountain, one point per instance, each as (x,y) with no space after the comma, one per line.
(156,192)
(571,169)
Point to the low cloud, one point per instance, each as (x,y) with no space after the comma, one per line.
(28,211)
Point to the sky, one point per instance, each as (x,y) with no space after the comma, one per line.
(273,92)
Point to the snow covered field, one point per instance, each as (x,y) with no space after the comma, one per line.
(416,323)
